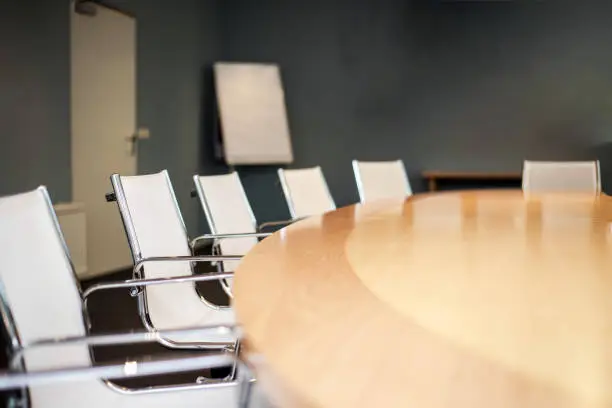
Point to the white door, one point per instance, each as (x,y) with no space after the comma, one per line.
(103,117)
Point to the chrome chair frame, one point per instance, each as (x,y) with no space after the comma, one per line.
(139,261)
(215,236)
(359,182)
(287,192)
(15,377)
(109,370)
(18,377)
(199,192)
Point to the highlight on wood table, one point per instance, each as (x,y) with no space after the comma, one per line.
(472,299)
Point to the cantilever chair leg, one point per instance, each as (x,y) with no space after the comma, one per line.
(14,377)
(245,379)
(136,283)
(209,258)
(246,388)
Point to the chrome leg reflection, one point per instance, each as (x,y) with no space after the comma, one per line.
(245,387)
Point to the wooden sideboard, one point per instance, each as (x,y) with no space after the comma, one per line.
(439,180)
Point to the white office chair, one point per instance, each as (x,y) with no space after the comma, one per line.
(306,192)
(44,315)
(160,249)
(230,218)
(380,180)
(549,176)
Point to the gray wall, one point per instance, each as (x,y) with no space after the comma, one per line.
(175,43)
(34,97)
(441,85)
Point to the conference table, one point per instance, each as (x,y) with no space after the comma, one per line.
(475,299)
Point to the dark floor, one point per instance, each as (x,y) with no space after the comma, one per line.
(113,311)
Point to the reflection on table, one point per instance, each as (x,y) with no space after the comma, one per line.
(476,299)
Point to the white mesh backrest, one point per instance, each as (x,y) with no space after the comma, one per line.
(157,224)
(578,176)
(228,212)
(381,180)
(37,279)
(306,192)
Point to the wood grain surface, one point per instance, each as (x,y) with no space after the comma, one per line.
(472,299)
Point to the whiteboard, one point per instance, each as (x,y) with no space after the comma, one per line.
(251,104)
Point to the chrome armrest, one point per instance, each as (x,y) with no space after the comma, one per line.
(11,379)
(189,258)
(274,224)
(278,223)
(229,236)
(135,283)
(114,339)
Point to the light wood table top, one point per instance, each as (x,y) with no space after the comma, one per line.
(465,300)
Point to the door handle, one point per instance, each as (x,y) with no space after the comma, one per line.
(140,133)
(133,140)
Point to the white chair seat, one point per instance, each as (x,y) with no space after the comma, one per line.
(178,305)
(195,313)
(95,394)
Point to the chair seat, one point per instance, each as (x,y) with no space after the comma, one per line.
(95,394)
(193,313)
(221,337)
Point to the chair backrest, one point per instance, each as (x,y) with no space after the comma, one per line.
(39,290)
(155,227)
(306,192)
(227,211)
(378,180)
(152,219)
(549,176)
